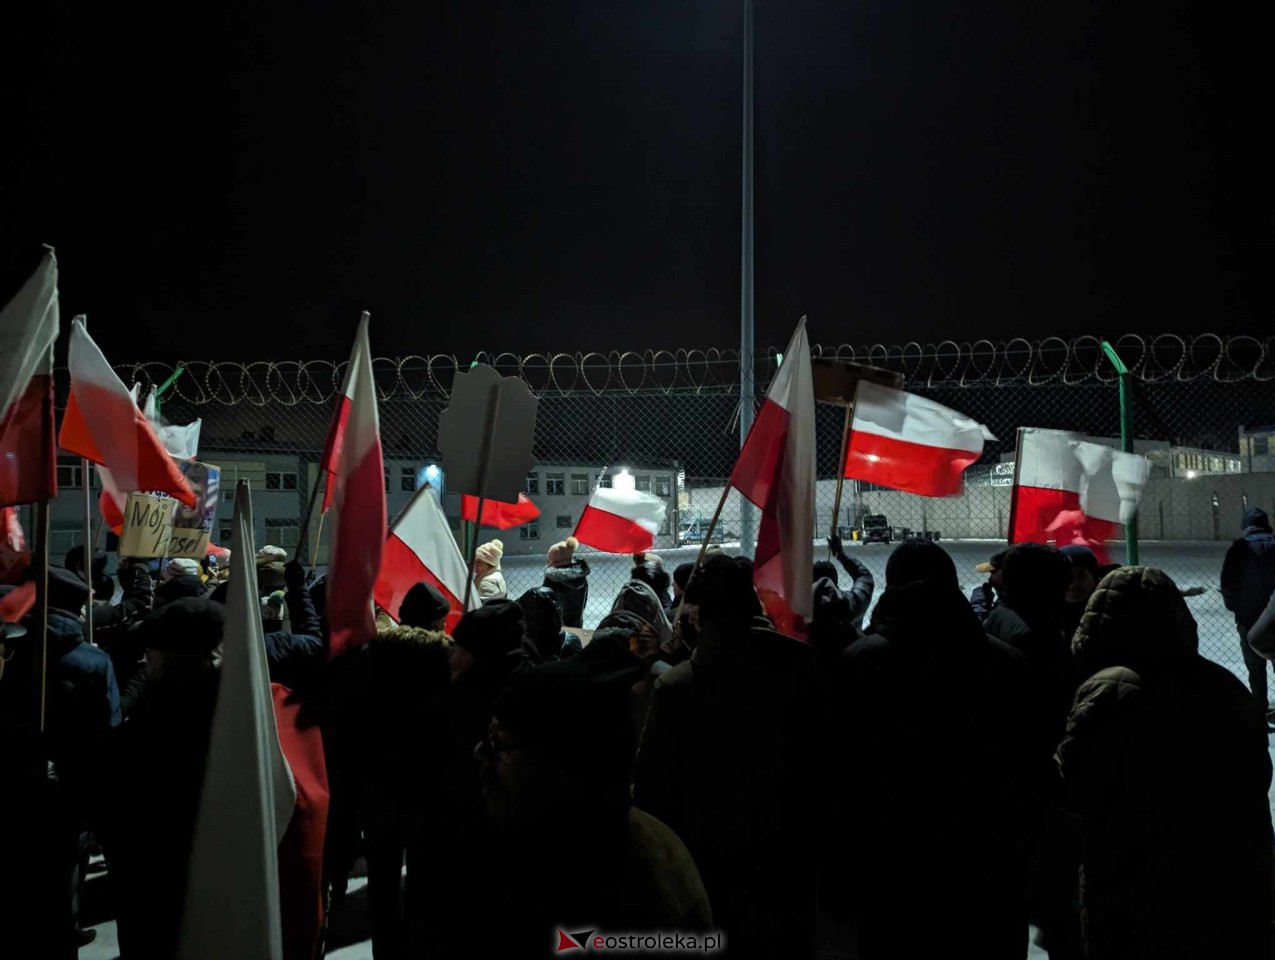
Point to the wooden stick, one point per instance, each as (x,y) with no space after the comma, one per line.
(493,409)
(699,559)
(42,600)
(841,476)
(86,476)
(318,538)
(320,478)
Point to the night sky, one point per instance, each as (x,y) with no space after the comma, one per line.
(239,182)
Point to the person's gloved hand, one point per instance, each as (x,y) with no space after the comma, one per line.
(294,575)
(834,544)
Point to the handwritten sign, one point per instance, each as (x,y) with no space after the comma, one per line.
(148,525)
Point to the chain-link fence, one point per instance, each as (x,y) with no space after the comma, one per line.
(1204,410)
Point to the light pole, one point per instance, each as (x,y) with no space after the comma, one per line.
(746,326)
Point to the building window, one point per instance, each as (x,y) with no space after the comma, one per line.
(224,534)
(529,531)
(663,486)
(564,522)
(283,533)
(533,486)
(281,481)
(580,484)
(555,484)
(70,476)
(605,481)
(642,483)
(228,495)
(407,479)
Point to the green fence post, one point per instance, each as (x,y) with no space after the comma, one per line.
(1126,441)
(163,387)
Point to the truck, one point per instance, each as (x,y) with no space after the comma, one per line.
(876,529)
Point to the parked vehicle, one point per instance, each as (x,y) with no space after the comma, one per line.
(876,529)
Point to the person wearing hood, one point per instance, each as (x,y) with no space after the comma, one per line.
(639,598)
(568,577)
(424,607)
(649,568)
(559,741)
(983,598)
(488,578)
(966,859)
(1085,574)
(544,639)
(156,764)
(1166,762)
(1248,581)
(731,750)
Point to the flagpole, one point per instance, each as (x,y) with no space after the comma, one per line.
(493,410)
(699,558)
(42,600)
(320,478)
(85,467)
(841,477)
(746,316)
(1013,490)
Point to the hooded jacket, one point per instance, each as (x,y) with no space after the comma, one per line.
(571,584)
(1165,760)
(1248,571)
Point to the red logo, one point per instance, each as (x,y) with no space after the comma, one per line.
(573,941)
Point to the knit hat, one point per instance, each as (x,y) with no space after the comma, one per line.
(491,631)
(179,587)
(563,552)
(541,612)
(918,559)
(66,590)
(490,553)
(269,554)
(1255,519)
(191,623)
(272,606)
(270,562)
(1082,557)
(181,567)
(423,605)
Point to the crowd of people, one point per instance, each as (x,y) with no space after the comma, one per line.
(1052,750)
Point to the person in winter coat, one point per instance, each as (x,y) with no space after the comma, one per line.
(1165,759)
(637,597)
(859,596)
(405,754)
(424,606)
(649,568)
(488,578)
(730,751)
(984,597)
(965,859)
(686,629)
(556,761)
(569,579)
(270,562)
(156,765)
(1248,581)
(544,639)
(113,625)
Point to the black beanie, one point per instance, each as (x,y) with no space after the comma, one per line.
(423,606)
(191,623)
(724,587)
(915,560)
(491,631)
(67,591)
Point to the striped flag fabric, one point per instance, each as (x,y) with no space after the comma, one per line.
(421,547)
(29,326)
(621,521)
(907,442)
(359,540)
(497,513)
(776,472)
(341,417)
(103,424)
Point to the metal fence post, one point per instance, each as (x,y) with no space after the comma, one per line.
(1126,442)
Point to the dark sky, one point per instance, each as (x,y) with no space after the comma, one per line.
(240,182)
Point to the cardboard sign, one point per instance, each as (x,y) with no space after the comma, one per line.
(485,434)
(156,525)
(148,525)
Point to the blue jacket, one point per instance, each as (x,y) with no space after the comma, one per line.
(1248,575)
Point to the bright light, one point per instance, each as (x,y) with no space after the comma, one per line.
(623,480)
(431,472)
(1191,474)
(872,456)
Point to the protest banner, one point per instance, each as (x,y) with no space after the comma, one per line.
(156,525)
(148,525)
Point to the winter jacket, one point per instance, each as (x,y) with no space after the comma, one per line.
(1053,677)
(965,856)
(730,760)
(1165,759)
(983,600)
(296,658)
(571,584)
(859,596)
(832,628)
(112,629)
(491,587)
(650,570)
(1248,575)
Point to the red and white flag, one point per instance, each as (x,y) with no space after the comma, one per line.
(421,547)
(15,558)
(359,540)
(776,471)
(1068,490)
(341,418)
(621,521)
(906,442)
(497,513)
(103,424)
(28,328)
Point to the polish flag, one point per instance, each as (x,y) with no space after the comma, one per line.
(905,442)
(181,442)
(15,558)
(776,472)
(103,424)
(621,521)
(1068,490)
(421,547)
(28,328)
(359,477)
(341,418)
(497,514)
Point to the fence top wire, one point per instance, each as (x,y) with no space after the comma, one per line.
(1160,358)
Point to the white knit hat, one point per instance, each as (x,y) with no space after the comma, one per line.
(490,553)
(181,567)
